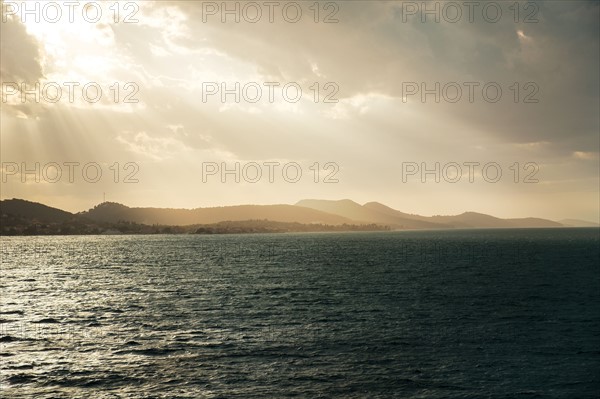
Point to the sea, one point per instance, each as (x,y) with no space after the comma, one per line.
(485,313)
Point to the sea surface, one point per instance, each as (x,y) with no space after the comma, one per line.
(421,314)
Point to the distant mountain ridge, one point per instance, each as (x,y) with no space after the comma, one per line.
(112,212)
(309,211)
(371,212)
(577,223)
(480,220)
(20,217)
(375,212)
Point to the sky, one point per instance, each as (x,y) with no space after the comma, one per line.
(430,108)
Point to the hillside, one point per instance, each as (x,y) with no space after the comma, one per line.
(374,212)
(34,210)
(20,217)
(111,212)
(26,217)
(370,213)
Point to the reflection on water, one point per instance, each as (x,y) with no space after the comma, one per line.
(408,314)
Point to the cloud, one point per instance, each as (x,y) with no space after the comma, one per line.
(586,155)
(370,54)
(20,51)
(371,50)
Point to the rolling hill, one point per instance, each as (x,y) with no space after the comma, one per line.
(34,210)
(374,212)
(112,212)
(307,212)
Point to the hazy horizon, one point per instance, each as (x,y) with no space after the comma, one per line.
(335,212)
(92,205)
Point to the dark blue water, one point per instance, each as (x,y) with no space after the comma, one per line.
(436,314)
